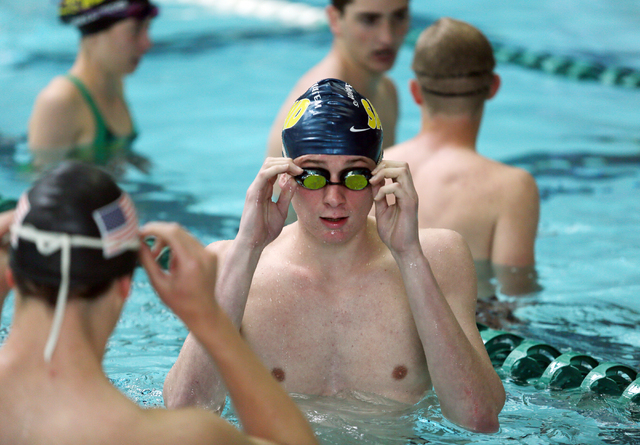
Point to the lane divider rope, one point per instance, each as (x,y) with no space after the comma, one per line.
(529,361)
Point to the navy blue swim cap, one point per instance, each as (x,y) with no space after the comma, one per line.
(332,118)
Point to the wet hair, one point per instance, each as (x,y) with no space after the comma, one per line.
(332,118)
(453,62)
(67,202)
(98,15)
(31,289)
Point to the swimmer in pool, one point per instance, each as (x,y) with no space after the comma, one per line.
(83,114)
(367,35)
(339,301)
(495,207)
(74,245)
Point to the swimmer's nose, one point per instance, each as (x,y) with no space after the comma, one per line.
(386,32)
(145,42)
(334,195)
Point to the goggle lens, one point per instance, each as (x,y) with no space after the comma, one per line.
(313,181)
(355,181)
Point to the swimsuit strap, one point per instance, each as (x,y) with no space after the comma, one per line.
(106,143)
(101,126)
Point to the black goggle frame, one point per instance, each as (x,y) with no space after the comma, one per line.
(317,178)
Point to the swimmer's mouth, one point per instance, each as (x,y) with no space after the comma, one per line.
(385,53)
(333,220)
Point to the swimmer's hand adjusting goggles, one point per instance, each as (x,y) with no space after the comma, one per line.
(316,178)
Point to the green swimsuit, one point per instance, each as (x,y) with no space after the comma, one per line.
(106,145)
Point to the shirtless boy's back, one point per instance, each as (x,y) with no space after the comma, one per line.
(494,206)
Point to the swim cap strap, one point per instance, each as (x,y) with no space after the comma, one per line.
(61,302)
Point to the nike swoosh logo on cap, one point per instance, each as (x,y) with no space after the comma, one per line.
(358,130)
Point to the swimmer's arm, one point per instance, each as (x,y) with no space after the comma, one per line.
(191,426)
(263,407)
(512,251)
(54,127)
(193,379)
(262,222)
(470,392)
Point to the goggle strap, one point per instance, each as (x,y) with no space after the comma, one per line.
(61,302)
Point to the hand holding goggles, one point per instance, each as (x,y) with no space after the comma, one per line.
(316,178)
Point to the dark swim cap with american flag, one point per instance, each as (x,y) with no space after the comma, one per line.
(75,228)
(79,204)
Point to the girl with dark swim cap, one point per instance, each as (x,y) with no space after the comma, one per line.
(84,115)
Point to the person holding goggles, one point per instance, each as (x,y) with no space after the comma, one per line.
(340,301)
(317,178)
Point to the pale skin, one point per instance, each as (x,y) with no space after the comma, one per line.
(342,302)
(61,119)
(495,207)
(71,400)
(367,38)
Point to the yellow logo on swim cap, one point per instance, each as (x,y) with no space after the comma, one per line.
(71,7)
(374,119)
(296,112)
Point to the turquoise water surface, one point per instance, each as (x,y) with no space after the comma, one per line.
(204,100)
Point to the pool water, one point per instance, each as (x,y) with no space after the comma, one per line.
(204,100)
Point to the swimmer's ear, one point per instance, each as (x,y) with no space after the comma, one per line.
(416,91)
(124,286)
(8,275)
(495,86)
(333,15)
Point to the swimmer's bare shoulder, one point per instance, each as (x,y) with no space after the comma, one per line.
(452,265)
(518,218)
(56,120)
(521,184)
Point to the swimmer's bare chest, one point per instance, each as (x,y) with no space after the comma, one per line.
(323,338)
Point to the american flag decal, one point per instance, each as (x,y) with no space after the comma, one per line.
(118,225)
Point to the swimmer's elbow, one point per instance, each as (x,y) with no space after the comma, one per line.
(485,424)
(481,417)
(173,398)
(190,397)
(184,393)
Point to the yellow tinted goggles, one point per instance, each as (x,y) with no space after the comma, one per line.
(316,178)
